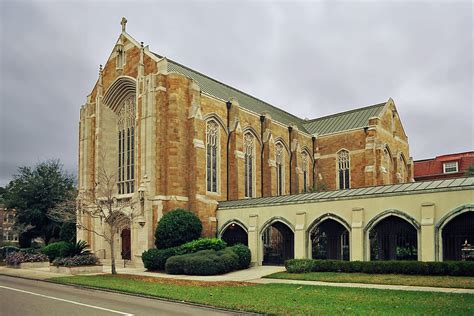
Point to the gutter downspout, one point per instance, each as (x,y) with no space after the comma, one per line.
(262,121)
(313,139)
(228,105)
(290,129)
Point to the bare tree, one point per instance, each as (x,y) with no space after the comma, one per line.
(98,205)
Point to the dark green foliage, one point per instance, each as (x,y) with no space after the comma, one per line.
(34,191)
(79,248)
(204,262)
(176,228)
(67,232)
(458,268)
(155,259)
(54,250)
(243,252)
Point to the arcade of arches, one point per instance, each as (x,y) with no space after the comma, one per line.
(432,226)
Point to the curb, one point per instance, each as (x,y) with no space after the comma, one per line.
(168,300)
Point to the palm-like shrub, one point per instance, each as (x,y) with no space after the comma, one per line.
(80,248)
(176,228)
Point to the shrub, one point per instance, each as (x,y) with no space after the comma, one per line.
(155,259)
(176,228)
(79,248)
(16,258)
(54,250)
(202,244)
(204,262)
(243,252)
(458,268)
(76,261)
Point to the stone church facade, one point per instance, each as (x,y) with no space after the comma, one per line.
(173,137)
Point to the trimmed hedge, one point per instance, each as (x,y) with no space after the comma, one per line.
(204,262)
(155,259)
(55,249)
(176,228)
(77,261)
(455,268)
(243,252)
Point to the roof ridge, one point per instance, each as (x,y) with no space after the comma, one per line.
(345,112)
(301,121)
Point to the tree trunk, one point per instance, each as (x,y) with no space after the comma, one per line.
(112,250)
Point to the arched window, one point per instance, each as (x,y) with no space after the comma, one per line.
(126,146)
(249,148)
(280,168)
(343,167)
(212,152)
(304,168)
(386,166)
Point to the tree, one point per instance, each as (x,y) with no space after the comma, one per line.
(176,228)
(470,171)
(98,205)
(34,191)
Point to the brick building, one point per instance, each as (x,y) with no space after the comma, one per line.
(175,137)
(7,220)
(443,167)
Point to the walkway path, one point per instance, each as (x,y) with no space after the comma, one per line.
(253,275)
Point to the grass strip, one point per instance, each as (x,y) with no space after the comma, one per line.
(288,299)
(390,279)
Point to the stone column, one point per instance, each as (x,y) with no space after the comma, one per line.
(426,240)
(300,236)
(254,241)
(370,159)
(236,156)
(357,235)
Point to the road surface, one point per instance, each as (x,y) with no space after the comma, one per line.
(27,297)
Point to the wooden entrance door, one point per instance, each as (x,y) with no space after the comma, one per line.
(126,244)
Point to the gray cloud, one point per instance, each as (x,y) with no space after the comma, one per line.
(309,58)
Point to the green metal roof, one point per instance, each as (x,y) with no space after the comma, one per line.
(357,118)
(392,189)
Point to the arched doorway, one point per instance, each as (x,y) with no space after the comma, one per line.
(393,238)
(278,244)
(330,240)
(235,234)
(455,233)
(126,244)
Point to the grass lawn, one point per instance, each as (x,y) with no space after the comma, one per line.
(392,279)
(286,299)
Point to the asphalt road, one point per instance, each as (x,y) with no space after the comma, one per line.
(27,297)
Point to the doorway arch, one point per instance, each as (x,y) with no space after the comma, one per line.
(278,242)
(234,233)
(456,229)
(126,251)
(329,238)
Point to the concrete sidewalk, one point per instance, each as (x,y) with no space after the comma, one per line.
(252,275)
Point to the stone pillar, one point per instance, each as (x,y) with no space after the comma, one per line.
(269,164)
(426,240)
(300,236)
(357,235)
(236,156)
(254,241)
(370,158)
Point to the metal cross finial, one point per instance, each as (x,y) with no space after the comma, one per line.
(100,68)
(124,23)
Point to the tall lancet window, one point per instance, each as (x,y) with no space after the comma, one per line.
(212,151)
(249,150)
(386,166)
(126,146)
(304,168)
(280,168)
(343,165)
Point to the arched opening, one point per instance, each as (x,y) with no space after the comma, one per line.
(234,234)
(278,244)
(330,240)
(455,233)
(393,238)
(126,244)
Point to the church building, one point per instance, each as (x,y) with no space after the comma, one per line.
(174,137)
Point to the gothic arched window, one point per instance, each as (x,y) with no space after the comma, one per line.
(304,168)
(249,150)
(126,146)
(343,169)
(386,166)
(212,151)
(280,168)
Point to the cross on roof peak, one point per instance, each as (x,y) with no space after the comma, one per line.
(124,23)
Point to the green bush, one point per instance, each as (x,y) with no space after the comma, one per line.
(54,249)
(155,259)
(204,262)
(455,268)
(202,244)
(243,252)
(176,228)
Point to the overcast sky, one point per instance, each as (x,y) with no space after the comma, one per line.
(310,58)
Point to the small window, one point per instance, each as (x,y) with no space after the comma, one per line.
(450,167)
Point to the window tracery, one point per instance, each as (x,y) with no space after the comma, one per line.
(126,146)
(279,158)
(304,168)
(212,150)
(249,148)
(343,164)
